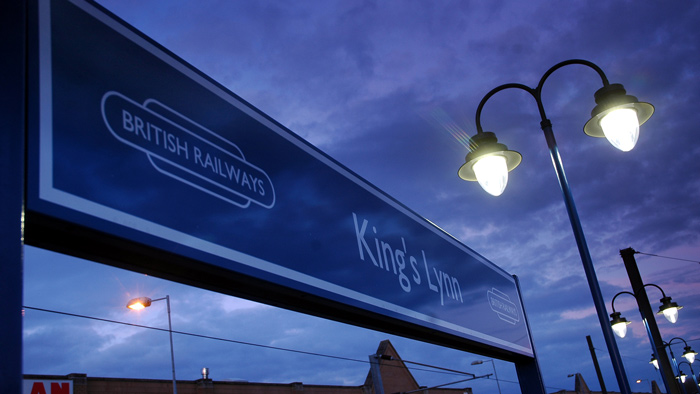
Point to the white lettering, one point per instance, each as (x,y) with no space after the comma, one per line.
(390,259)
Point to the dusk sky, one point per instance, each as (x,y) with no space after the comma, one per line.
(387,88)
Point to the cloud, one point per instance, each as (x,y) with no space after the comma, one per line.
(578,314)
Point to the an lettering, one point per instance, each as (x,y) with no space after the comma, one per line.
(55,388)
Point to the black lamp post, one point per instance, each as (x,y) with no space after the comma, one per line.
(692,374)
(616,116)
(659,359)
(668,308)
(689,354)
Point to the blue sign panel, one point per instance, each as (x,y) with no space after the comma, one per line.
(133,142)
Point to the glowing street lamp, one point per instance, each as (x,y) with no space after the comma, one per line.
(139,303)
(689,354)
(619,324)
(639,381)
(144,302)
(617,117)
(490,161)
(668,308)
(692,373)
(654,361)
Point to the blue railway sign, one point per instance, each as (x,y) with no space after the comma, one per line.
(129,141)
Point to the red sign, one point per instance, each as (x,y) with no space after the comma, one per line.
(47,387)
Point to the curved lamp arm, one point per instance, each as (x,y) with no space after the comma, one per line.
(497,89)
(537,92)
(617,322)
(612,303)
(668,308)
(688,353)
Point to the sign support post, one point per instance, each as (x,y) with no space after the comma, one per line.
(529,372)
(12,117)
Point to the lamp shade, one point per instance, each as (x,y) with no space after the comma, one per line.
(689,354)
(669,309)
(489,163)
(654,362)
(619,324)
(617,116)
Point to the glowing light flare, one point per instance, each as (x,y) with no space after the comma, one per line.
(671,314)
(619,324)
(654,362)
(136,306)
(690,357)
(139,303)
(620,329)
(492,173)
(689,354)
(440,119)
(621,128)
(669,309)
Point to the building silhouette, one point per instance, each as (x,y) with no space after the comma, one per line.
(580,387)
(393,373)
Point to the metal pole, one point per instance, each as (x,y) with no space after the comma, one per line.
(495,375)
(596,365)
(172,351)
(598,301)
(529,372)
(692,374)
(376,374)
(667,375)
(677,377)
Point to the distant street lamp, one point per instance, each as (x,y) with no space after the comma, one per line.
(688,353)
(495,375)
(616,116)
(144,302)
(668,308)
(692,373)
(654,361)
(639,381)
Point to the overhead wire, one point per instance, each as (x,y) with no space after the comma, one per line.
(667,257)
(434,369)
